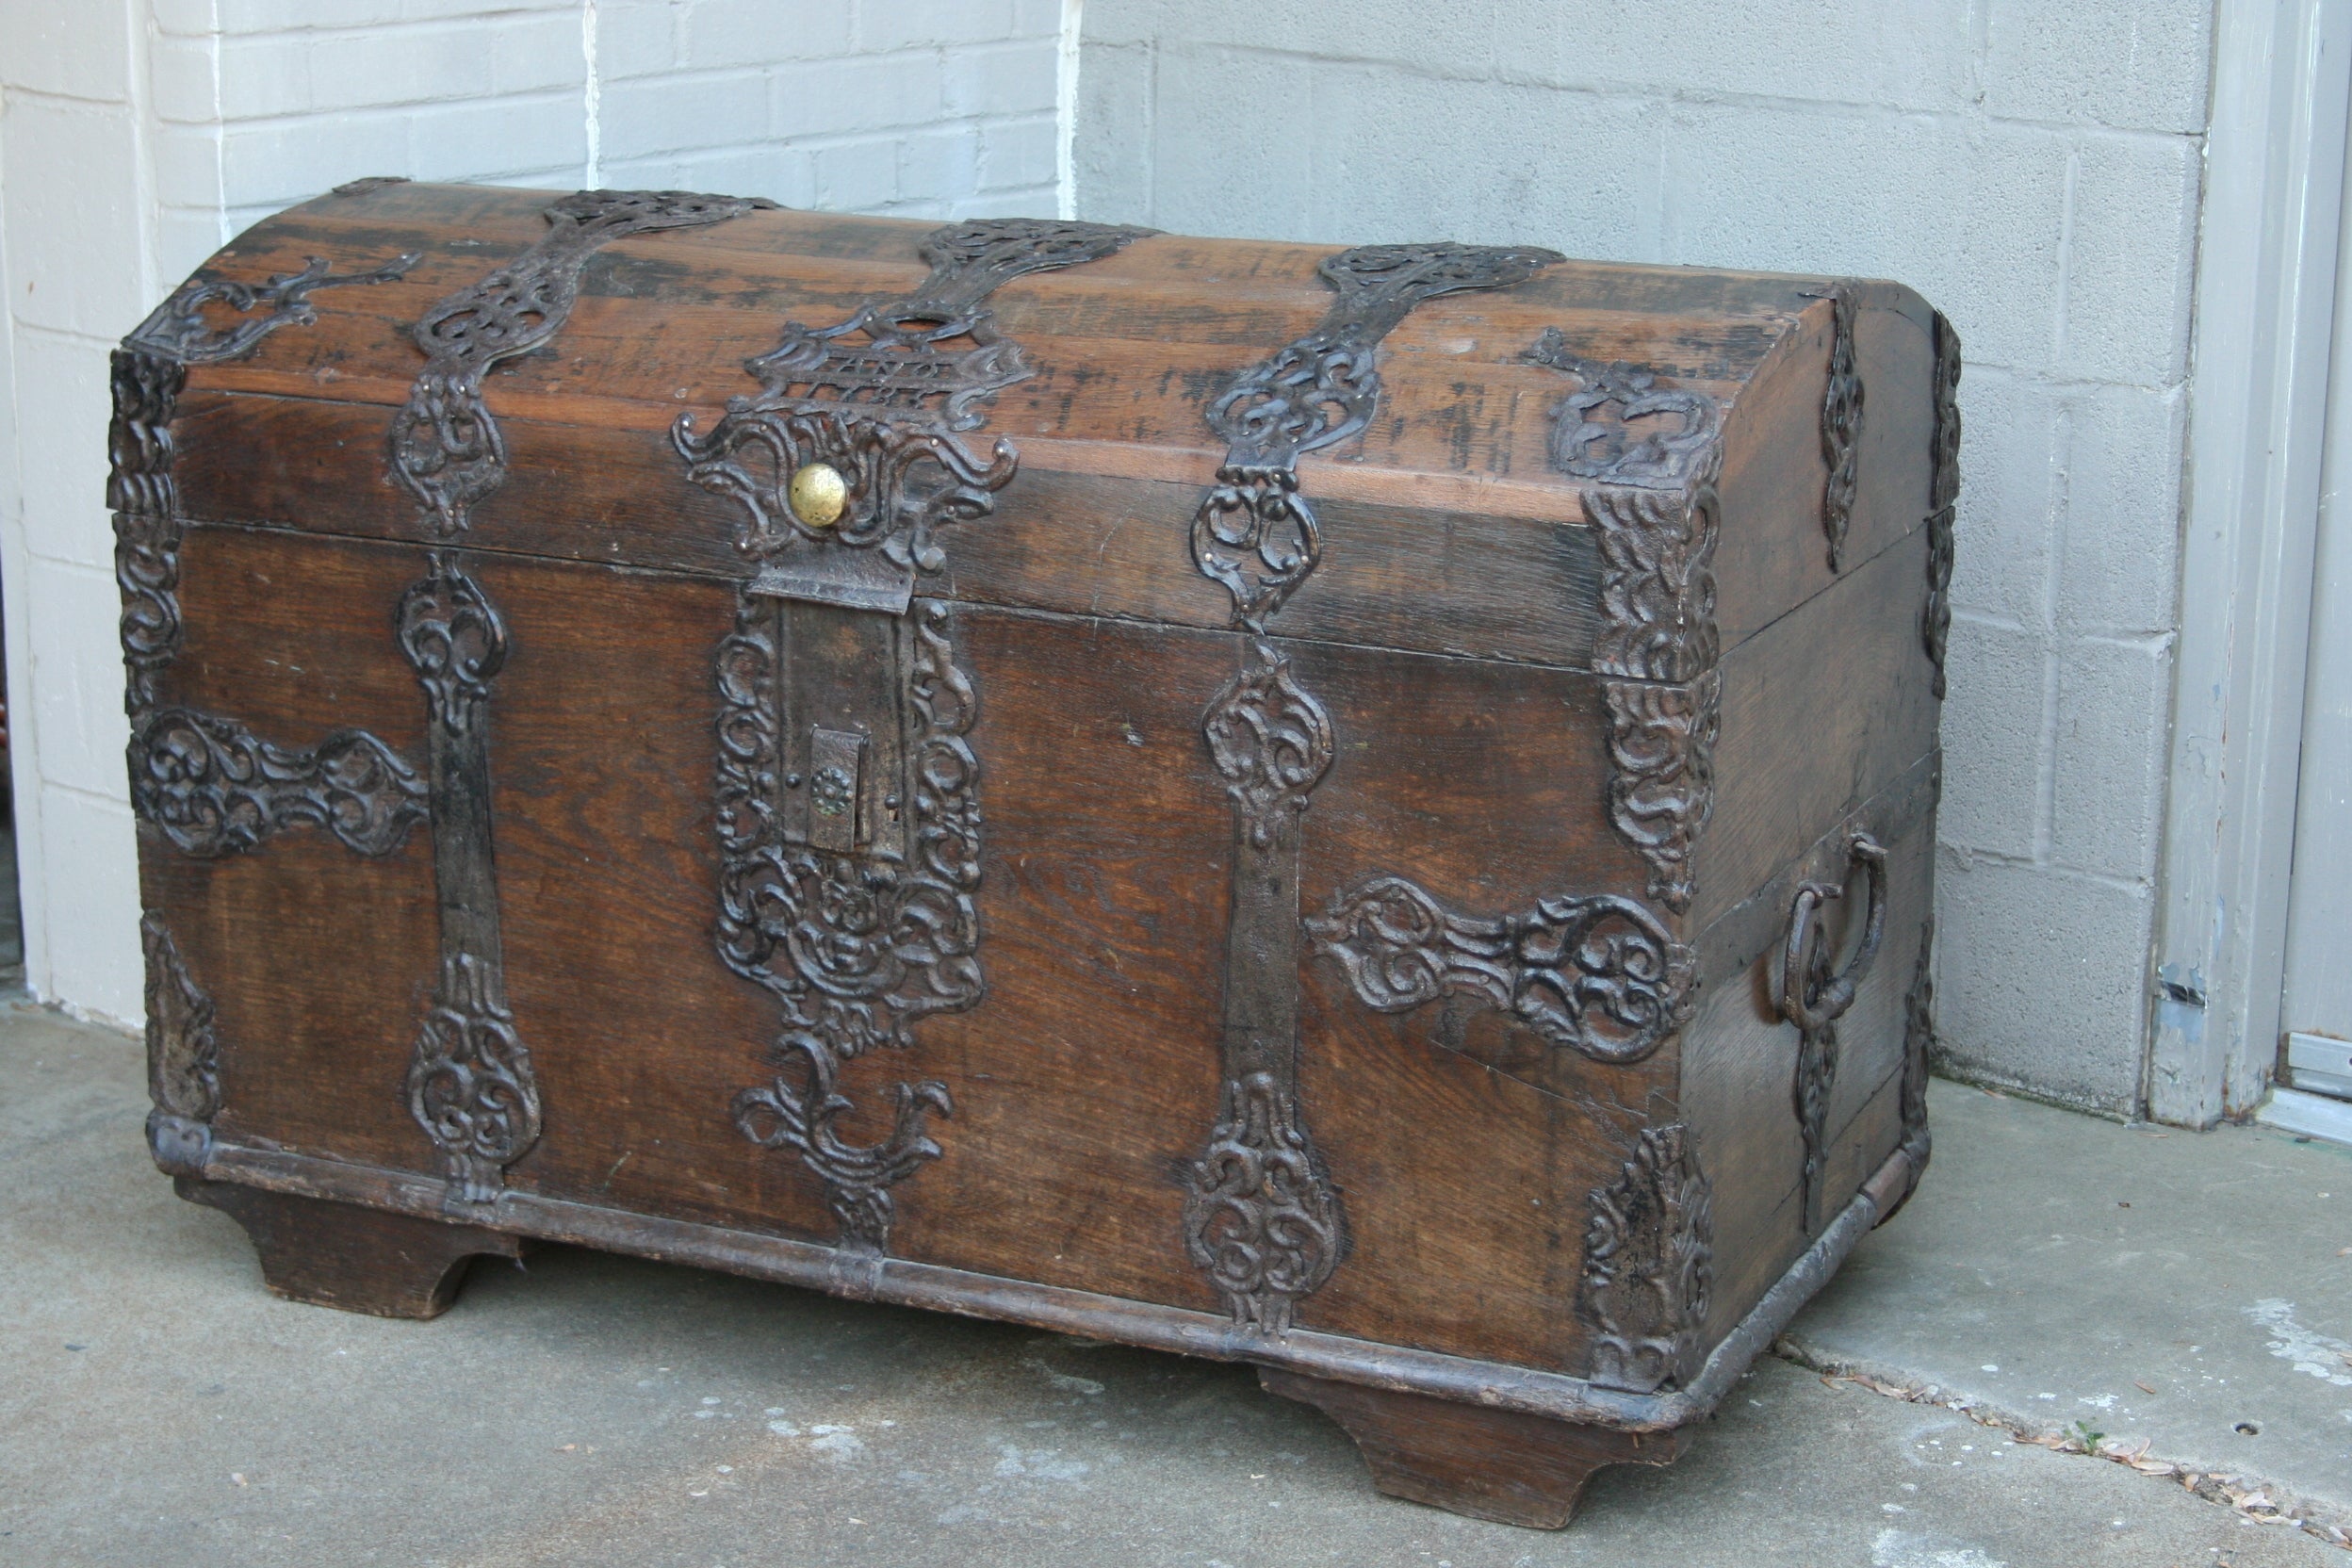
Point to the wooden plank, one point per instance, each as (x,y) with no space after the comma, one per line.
(1821,712)
(1446,638)
(1739,1072)
(1774,552)
(1393,575)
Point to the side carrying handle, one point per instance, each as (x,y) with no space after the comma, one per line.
(1811,997)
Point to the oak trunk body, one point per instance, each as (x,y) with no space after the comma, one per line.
(1370,813)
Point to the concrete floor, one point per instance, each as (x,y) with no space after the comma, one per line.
(2188,1293)
(156,1406)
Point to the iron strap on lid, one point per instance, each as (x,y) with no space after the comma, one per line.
(1262,1218)
(446,447)
(1254,532)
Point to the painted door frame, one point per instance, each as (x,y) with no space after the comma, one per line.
(2266,305)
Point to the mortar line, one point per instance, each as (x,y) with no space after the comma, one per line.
(2056,868)
(1633,90)
(2066,250)
(2054,540)
(1068,54)
(592,98)
(219,133)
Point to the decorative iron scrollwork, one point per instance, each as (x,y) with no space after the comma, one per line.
(1943,499)
(1944,455)
(857,947)
(209,783)
(1599,974)
(1620,427)
(1658,581)
(1649,1255)
(875,458)
(803,1116)
(1918,1040)
(470,1084)
(147,571)
(446,447)
(1841,423)
(1260,1216)
(178,330)
(455,642)
(1814,998)
(1253,532)
(214,787)
(1326,386)
(1918,1043)
(1661,787)
(883,395)
(183,1056)
(1936,613)
(146,389)
(1270,741)
(147,532)
(1658,626)
(860,923)
(149,372)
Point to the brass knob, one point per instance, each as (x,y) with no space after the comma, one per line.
(818,494)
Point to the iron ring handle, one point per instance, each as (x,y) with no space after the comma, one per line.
(1826,1006)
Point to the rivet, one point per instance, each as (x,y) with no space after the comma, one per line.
(831,792)
(818,494)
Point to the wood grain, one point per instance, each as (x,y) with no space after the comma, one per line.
(1501,1465)
(1127,351)
(340,1255)
(1448,637)
(1739,1068)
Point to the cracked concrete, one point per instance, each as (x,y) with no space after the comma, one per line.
(2191,1293)
(159,1406)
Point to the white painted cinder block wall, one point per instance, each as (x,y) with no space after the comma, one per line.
(136,135)
(2030,166)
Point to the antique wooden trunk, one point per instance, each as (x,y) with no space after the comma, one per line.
(1368,812)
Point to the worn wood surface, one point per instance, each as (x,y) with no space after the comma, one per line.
(1076,1095)
(1738,1066)
(1823,711)
(1449,531)
(1493,1464)
(1448,639)
(1086,1079)
(332,1254)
